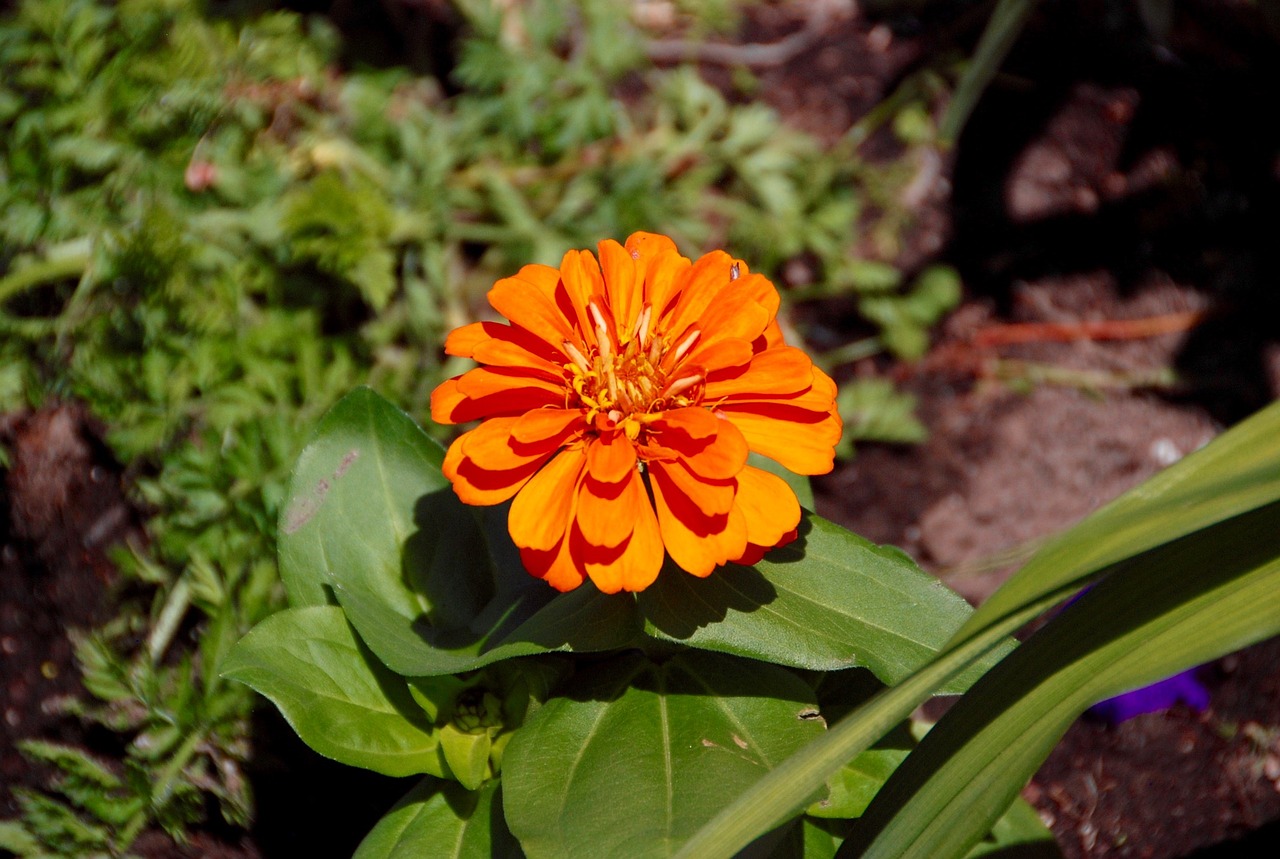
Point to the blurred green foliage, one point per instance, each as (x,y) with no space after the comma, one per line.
(208,234)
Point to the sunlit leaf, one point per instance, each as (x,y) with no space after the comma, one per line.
(340,699)
(637,756)
(829,601)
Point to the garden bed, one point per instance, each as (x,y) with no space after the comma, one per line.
(1111,177)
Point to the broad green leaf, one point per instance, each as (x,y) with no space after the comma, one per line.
(338,697)
(441,819)
(857,782)
(1184,603)
(522,624)
(1238,471)
(433,587)
(828,601)
(789,787)
(639,756)
(357,481)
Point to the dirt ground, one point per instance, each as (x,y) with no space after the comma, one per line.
(1109,176)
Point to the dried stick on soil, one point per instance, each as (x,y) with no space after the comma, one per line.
(1100,329)
(755,54)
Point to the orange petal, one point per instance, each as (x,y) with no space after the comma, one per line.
(684,428)
(445,401)
(480,486)
(486,381)
(610,457)
(732,314)
(525,304)
(800,440)
(632,566)
(462,341)
(539,426)
(720,457)
(698,543)
(607,511)
(768,505)
(773,372)
(543,509)
(640,564)
(712,497)
(623,288)
(755,553)
(660,266)
(556,566)
(580,281)
(721,354)
(699,285)
(491,445)
(513,346)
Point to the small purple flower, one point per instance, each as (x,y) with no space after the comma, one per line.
(1184,688)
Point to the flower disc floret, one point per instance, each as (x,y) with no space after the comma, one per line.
(619,405)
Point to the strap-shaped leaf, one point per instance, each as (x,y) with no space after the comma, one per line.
(1187,602)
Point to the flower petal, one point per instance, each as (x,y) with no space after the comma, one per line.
(798,439)
(768,505)
(607,511)
(526,303)
(610,457)
(632,566)
(555,566)
(774,372)
(540,426)
(698,543)
(719,456)
(623,288)
(580,281)
(660,266)
(544,508)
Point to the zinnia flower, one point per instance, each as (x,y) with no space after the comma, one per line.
(618,409)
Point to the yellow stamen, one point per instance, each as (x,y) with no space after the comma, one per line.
(686,345)
(678,386)
(578,358)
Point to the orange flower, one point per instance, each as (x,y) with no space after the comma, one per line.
(618,408)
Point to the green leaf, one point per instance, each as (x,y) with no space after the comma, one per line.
(641,755)
(1003,29)
(856,784)
(828,601)
(1018,834)
(340,699)
(1184,603)
(433,587)
(441,819)
(1237,472)
(362,473)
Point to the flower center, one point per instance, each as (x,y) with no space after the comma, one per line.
(630,379)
